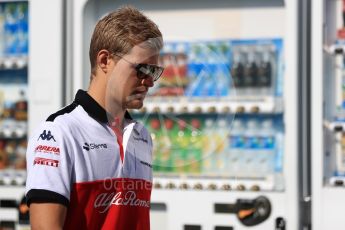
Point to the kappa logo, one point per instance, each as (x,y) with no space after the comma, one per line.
(46,136)
(88,146)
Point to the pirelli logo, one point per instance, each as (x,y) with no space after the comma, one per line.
(45,161)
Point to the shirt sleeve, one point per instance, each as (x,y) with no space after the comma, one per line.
(49,166)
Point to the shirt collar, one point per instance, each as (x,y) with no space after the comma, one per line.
(92,107)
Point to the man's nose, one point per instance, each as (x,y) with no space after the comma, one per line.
(148,82)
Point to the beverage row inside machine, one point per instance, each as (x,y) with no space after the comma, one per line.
(227,147)
(218,69)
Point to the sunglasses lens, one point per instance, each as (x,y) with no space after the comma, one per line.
(146,70)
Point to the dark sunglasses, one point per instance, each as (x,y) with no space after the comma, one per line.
(145,70)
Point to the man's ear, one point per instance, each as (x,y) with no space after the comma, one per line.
(103,59)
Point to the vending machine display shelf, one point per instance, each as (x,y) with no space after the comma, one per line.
(337,48)
(5,1)
(220,105)
(12,177)
(8,214)
(12,129)
(220,184)
(15,62)
(337,181)
(335,126)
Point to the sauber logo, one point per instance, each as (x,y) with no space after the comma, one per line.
(88,146)
(47,149)
(45,161)
(105,200)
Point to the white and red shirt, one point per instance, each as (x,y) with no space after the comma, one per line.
(75,158)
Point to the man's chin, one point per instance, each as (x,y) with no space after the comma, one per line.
(137,104)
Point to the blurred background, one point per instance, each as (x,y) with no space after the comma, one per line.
(247,119)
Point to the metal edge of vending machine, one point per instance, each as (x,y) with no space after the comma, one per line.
(77,48)
(317,114)
(67,53)
(304,78)
(327,199)
(291,115)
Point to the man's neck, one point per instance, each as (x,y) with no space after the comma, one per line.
(97,90)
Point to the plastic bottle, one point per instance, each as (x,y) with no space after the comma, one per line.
(221,151)
(154,129)
(196,72)
(22,28)
(2,31)
(206,83)
(235,147)
(222,80)
(179,145)
(237,72)
(209,63)
(11,41)
(181,138)
(224,51)
(265,71)
(194,155)
(181,61)
(251,148)
(279,182)
(3,156)
(170,148)
(266,155)
(250,72)
(165,145)
(208,147)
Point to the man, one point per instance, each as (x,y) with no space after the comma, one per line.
(89,164)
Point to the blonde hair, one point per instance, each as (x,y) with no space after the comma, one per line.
(121,30)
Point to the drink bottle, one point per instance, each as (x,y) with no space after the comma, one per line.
(235,147)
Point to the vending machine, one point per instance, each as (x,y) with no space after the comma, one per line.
(223,117)
(328,23)
(13,107)
(31,86)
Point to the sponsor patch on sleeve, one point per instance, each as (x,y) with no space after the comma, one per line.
(46,161)
(47,149)
(46,135)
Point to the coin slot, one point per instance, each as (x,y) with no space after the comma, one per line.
(192,227)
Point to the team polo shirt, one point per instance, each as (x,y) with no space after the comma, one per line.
(75,158)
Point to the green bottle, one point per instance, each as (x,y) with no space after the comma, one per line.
(180,144)
(194,154)
(165,146)
(155,132)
